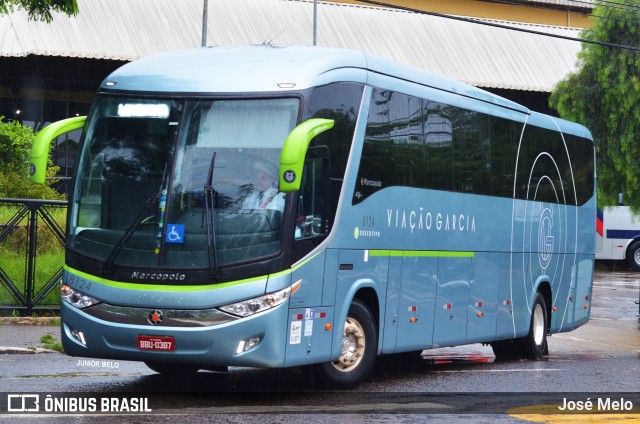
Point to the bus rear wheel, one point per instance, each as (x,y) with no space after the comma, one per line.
(505,350)
(633,255)
(534,344)
(358,351)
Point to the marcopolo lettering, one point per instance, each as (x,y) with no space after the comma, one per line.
(370,183)
(158,276)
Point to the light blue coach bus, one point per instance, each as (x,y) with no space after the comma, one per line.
(412,212)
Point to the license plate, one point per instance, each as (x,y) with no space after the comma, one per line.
(162,343)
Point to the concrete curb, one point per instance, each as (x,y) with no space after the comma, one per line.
(28,322)
(48,321)
(24,350)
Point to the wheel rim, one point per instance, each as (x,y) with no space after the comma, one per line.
(636,256)
(538,325)
(353,345)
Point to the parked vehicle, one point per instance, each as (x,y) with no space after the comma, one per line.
(618,235)
(415,212)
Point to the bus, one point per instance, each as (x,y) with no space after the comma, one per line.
(413,212)
(618,235)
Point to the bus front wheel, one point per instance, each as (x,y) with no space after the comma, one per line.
(534,344)
(358,350)
(633,255)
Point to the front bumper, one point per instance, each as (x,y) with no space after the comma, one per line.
(212,344)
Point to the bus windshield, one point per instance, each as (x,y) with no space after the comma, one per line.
(181,183)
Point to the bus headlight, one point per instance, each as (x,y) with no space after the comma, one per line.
(76,298)
(258,304)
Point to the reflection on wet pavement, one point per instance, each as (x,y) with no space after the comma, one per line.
(615,295)
(614,298)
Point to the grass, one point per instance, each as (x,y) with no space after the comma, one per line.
(53,321)
(49,341)
(14,266)
(14,253)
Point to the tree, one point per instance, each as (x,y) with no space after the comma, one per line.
(604,95)
(15,149)
(40,9)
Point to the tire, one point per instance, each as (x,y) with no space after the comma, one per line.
(633,255)
(171,370)
(359,351)
(534,344)
(505,350)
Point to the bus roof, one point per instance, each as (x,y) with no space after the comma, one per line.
(260,68)
(558,124)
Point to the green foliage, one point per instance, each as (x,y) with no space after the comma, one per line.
(15,148)
(15,143)
(604,95)
(49,341)
(40,9)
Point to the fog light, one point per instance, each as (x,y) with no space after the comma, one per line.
(79,336)
(247,344)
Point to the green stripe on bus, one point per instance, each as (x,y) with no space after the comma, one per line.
(174,288)
(423,253)
(166,287)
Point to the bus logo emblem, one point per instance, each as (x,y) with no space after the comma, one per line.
(289,176)
(545,238)
(155,317)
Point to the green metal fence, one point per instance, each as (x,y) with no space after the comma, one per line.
(32,236)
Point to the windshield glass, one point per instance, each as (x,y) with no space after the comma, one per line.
(232,147)
(181,184)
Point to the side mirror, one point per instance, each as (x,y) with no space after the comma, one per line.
(295,149)
(40,148)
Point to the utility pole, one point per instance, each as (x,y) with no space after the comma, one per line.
(205,11)
(315,21)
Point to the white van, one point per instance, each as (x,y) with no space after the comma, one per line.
(618,235)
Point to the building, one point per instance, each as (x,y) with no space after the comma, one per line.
(51,71)
(562,13)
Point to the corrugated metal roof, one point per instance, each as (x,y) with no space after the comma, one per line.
(129,29)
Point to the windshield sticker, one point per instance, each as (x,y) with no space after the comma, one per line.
(175,233)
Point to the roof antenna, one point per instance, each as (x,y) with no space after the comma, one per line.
(270,41)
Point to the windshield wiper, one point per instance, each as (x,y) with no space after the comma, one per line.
(139,220)
(108,264)
(209,202)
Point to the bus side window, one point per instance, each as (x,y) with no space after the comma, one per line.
(313,197)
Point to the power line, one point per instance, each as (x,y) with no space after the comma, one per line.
(587,5)
(496,25)
(542,6)
(606,3)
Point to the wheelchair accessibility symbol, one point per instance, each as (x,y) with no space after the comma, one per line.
(175,233)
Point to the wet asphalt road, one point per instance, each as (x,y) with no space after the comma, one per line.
(599,359)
